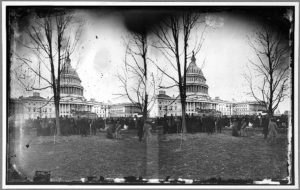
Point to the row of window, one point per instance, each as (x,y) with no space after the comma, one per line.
(38,109)
(72,91)
(195,79)
(198,89)
(167,102)
(195,71)
(241,109)
(166,108)
(69,81)
(41,104)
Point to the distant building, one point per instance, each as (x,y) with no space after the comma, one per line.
(165,105)
(100,108)
(248,108)
(239,108)
(124,110)
(225,107)
(32,107)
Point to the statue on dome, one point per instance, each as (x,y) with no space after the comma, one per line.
(193,57)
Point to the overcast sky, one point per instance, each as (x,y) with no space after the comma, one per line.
(225,51)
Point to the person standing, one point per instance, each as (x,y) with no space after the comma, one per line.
(219,124)
(147,130)
(235,124)
(170,124)
(243,127)
(140,126)
(265,123)
(272,127)
(165,124)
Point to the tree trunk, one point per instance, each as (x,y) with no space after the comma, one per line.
(145,113)
(183,111)
(58,131)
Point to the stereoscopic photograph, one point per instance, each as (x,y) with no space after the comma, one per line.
(154,94)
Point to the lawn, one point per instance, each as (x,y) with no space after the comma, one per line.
(201,156)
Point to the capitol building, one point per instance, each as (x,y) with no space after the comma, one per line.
(197,100)
(71,92)
(74,104)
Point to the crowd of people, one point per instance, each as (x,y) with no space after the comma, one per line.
(169,124)
(75,126)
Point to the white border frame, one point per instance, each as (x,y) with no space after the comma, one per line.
(70,3)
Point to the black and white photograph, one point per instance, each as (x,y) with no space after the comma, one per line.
(149,95)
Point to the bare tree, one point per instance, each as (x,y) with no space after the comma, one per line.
(137,80)
(270,83)
(173,33)
(49,45)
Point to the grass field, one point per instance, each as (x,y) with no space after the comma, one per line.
(201,156)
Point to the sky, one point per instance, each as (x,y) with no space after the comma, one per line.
(101,51)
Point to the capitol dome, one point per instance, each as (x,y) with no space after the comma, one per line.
(195,80)
(70,83)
